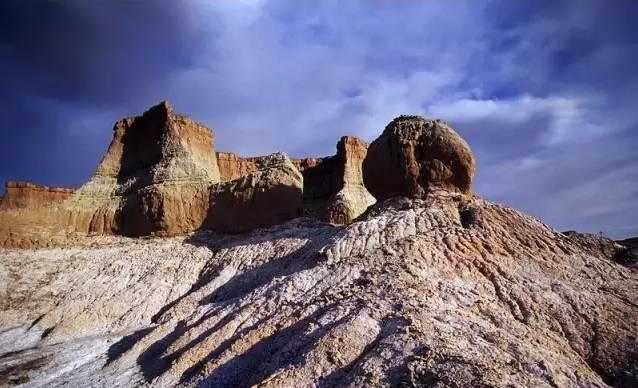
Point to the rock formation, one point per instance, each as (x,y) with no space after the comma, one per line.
(269,195)
(414,155)
(154,177)
(333,188)
(439,289)
(19,194)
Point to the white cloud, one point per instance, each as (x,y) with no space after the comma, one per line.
(570,119)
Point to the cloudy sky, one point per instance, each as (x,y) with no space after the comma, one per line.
(545,92)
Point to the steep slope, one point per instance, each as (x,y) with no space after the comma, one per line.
(412,295)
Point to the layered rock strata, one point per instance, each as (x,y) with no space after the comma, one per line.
(233,166)
(154,177)
(414,155)
(440,289)
(18,194)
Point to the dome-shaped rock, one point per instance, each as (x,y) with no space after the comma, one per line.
(414,155)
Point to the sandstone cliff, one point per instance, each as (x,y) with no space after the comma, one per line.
(269,195)
(25,194)
(153,179)
(232,166)
(333,186)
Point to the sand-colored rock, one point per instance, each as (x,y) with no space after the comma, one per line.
(20,194)
(439,289)
(154,177)
(415,155)
(270,195)
(333,188)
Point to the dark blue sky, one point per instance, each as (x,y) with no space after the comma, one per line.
(544,91)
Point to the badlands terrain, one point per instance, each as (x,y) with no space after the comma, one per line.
(176,265)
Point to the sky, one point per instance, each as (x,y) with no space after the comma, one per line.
(545,92)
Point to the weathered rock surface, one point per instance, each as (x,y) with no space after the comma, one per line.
(624,252)
(154,177)
(443,289)
(270,195)
(408,296)
(19,194)
(414,155)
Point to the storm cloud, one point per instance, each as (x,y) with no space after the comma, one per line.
(544,92)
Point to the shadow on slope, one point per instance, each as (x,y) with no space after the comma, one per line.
(157,358)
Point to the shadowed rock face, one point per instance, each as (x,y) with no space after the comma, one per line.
(269,195)
(413,156)
(25,194)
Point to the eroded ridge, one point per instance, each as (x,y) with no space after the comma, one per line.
(408,295)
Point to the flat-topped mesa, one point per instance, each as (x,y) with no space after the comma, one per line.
(19,194)
(414,156)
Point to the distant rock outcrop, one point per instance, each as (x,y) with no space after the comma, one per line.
(20,194)
(233,166)
(414,155)
(162,176)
